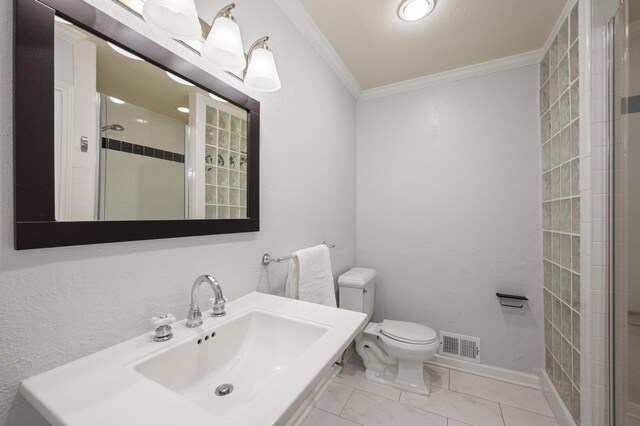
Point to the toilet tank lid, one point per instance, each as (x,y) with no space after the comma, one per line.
(356,277)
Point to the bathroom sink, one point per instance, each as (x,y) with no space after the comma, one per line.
(253,366)
(252,353)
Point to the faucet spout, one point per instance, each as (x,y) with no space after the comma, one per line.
(194,317)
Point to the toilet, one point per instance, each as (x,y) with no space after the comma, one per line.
(393,352)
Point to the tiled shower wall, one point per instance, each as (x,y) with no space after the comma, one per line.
(559,111)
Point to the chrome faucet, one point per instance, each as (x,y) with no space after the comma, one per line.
(194,317)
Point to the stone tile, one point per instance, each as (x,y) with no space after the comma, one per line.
(567,356)
(575,177)
(516,417)
(565,250)
(457,406)
(373,410)
(334,398)
(452,422)
(545,124)
(319,417)
(547,311)
(501,392)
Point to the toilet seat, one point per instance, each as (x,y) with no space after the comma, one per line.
(408,332)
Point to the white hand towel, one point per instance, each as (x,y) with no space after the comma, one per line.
(310,276)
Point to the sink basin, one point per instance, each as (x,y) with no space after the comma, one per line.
(271,350)
(253,352)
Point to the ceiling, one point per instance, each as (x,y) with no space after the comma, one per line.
(140,83)
(379,48)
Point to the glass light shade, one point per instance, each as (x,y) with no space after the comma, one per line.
(223,46)
(262,74)
(413,10)
(176,18)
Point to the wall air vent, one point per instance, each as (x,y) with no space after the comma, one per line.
(459,346)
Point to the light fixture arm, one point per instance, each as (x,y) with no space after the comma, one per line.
(260,43)
(225,12)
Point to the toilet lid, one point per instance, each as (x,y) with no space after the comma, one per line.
(408,332)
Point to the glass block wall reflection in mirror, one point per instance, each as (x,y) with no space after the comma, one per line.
(225,159)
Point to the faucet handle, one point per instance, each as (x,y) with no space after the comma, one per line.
(167,319)
(163,327)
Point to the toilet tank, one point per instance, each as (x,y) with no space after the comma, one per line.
(357,289)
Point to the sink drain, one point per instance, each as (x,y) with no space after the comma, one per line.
(224,390)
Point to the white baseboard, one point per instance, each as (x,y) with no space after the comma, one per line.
(314,396)
(497,373)
(558,407)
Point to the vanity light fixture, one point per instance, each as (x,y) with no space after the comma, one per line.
(183,109)
(223,46)
(261,73)
(178,79)
(413,10)
(116,100)
(123,52)
(176,18)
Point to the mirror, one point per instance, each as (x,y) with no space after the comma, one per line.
(132,142)
(135,142)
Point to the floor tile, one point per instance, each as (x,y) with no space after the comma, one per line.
(372,410)
(318,417)
(502,392)
(334,398)
(439,375)
(517,417)
(353,375)
(457,406)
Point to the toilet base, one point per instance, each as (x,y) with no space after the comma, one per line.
(408,375)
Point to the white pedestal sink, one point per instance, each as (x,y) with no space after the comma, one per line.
(270,349)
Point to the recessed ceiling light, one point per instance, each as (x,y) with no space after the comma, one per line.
(141,121)
(412,10)
(123,52)
(217,98)
(178,79)
(116,100)
(183,109)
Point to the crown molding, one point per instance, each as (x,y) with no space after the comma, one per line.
(502,64)
(303,21)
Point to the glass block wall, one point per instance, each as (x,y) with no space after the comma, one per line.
(225,165)
(559,115)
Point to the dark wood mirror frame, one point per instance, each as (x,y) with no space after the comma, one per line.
(34,193)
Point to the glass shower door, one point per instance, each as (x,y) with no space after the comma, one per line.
(624,203)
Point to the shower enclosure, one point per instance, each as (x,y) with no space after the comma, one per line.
(623,176)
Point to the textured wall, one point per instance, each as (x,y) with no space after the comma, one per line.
(449,210)
(57,305)
(560,137)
